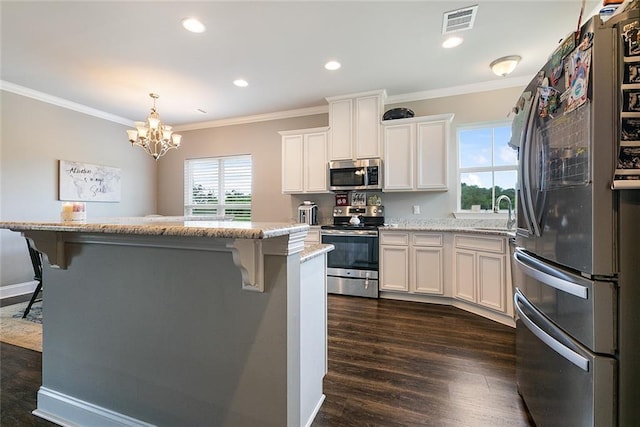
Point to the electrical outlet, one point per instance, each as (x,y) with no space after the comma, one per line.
(416,209)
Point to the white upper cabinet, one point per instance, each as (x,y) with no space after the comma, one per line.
(416,153)
(354,126)
(304,161)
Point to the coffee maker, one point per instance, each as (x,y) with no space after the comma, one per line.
(308,213)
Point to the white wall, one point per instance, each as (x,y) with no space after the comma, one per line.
(35,135)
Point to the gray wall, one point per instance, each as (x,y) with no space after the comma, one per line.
(35,135)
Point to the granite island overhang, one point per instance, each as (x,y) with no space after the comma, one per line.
(157,322)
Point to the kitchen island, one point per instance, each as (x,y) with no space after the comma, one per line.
(157,322)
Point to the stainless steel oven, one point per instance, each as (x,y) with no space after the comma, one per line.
(352,267)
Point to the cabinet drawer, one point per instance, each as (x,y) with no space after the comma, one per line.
(427,239)
(390,238)
(487,244)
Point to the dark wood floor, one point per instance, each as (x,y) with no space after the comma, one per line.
(394,363)
(391,363)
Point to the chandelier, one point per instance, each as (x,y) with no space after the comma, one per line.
(153,136)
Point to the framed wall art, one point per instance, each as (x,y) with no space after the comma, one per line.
(88,183)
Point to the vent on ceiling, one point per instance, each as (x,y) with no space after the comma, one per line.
(459,20)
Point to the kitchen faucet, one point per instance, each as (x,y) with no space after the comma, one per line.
(511,221)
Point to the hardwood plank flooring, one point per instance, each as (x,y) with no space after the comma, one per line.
(391,363)
(396,363)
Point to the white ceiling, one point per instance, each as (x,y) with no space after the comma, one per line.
(109,55)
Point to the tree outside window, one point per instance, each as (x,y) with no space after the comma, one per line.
(487,166)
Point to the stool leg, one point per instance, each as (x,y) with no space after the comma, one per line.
(33,299)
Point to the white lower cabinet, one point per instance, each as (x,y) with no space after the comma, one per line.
(480,271)
(411,262)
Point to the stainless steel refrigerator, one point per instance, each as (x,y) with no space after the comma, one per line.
(576,264)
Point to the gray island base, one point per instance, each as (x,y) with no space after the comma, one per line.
(177,324)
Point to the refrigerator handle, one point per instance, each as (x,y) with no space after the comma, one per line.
(555,345)
(548,275)
(529,210)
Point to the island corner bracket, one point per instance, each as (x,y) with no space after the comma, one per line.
(248,256)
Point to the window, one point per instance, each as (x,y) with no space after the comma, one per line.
(487,166)
(218,186)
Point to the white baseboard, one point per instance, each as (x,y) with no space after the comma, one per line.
(315,411)
(17,289)
(68,411)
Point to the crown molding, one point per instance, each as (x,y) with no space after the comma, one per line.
(300,112)
(279,115)
(460,90)
(60,102)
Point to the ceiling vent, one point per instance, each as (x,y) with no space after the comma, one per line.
(459,20)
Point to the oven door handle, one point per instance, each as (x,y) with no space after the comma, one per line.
(555,345)
(356,233)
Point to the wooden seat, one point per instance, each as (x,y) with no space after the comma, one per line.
(36,261)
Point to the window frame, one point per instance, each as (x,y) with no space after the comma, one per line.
(222,206)
(504,168)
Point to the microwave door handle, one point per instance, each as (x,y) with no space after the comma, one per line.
(529,210)
(545,274)
(564,351)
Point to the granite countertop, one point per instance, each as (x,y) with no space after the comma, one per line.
(164,226)
(474,226)
(497,231)
(311,251)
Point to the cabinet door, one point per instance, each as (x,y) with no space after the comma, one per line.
(292,159)
(367,127)
(431,155)
(398,162)
(491,281)
(315,164)
(465,275)
(427,270)
(394,268)
(340,129)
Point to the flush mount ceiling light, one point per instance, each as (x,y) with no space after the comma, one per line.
(332,65)
(241,83)
(193,25)
(452,42)
(505,65)
(153,136)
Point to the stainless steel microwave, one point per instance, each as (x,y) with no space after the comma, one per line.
(355,175)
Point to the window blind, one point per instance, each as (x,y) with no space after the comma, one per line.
(218,186)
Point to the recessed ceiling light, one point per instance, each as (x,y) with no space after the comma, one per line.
(332,65)
(193,25)
(240,83)
(452,42)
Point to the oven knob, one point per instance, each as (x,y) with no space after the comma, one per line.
(338,211)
